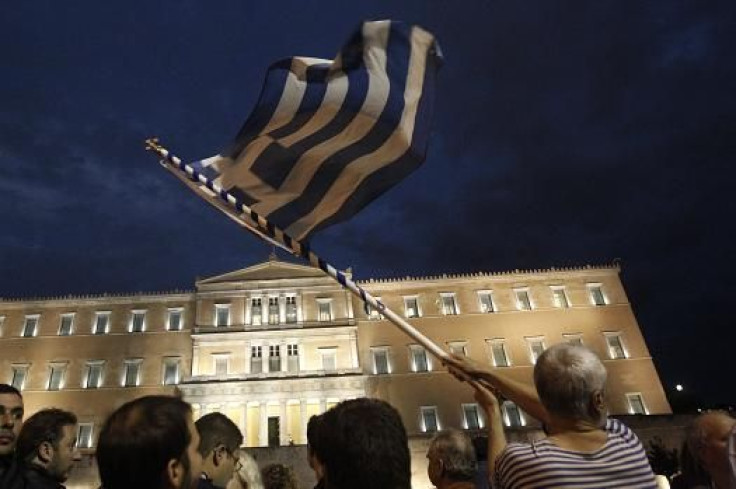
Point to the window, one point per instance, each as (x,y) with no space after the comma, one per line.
(324,309)
(222,315)
(256,311)
(137,322)
(498,353)
(171,371)
(636,404)
(291,309)
(84,435)
(459,348)
(419,361)
(512,415)
(329,359)
(273,310)
(536,347)
(274,431)
(485,301)
(30,325)
(523,302)
(274,358)
(411,307)
(102,323)
(131,374)
(597,298)
(380,360)
(20,372)
(174,319)
(221,364)
(65,324)
(449,304)
(256,359)
(430,423)
(471,417)
(56,377)
(373,313)
(559,297)
(292,355)
(573,339)
(616,349)
(2,323)
(93,374)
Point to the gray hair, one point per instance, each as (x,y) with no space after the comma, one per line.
(457,453)
(566,377)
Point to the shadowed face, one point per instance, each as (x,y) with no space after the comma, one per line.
(11,416)
(714,455)
(64,454)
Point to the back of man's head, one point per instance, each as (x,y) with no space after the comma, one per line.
(706,442)
(362,445)
(11,418)
(567,377)
(140,438)
(216,429)
(46,425)
(454,452)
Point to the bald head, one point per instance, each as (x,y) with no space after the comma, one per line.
(707,441)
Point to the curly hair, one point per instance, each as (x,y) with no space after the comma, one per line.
(278,476)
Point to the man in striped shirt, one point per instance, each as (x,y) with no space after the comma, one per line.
(583,449)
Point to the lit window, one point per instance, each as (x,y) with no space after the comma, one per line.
(30,325)
(536,347)
(273,310)
(411,307)
(84,435)
(2,323)
(498,353)
(274,358)
(419,360)
(636,404)
(137,322)
(256,311)
(292,355)
(324,307)
(56,377)
(380,360)
(20,372)
(175,319)
(559,297)
(485,301)
(93,374)
(597,298)
(291,316)
(512,416)
(523,302)
(430,423)
(373,313)
(221,364)
(573,339)
(65,324)
(131,374)
(256,359)
(102,323)
(329,359)
(222,315)
(171,371)
(471,417)
(459,348)
(616,349)
(449,304)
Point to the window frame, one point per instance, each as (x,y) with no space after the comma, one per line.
(478,417)
(170,312)
(60,367)
(640,397)
(521,305)
(129,363)
(222,307)
(95,322)
(481,305)
(619,336)
(375,351)
(565,304)
(415,350)
(502,343)
(418,308)
(596,286)
(326,352)
(423,419)
(134,314)
(530,342)
(62,317)
(89,366)
(90,434)
(36,318)
(19,367)
(454,306)
(167,362)
(325,302)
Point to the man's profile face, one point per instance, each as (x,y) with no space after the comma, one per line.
(434,466)
(228,463)
(11,417)
(715,449)
(65,451)
(193,456)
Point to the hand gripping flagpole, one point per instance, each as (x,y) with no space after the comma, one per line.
(274,235)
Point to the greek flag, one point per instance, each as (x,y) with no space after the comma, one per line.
(327,137)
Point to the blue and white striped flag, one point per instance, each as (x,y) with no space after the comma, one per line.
(327,137)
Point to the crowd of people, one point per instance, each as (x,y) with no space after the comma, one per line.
(153,442)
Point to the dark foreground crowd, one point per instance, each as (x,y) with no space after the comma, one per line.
(153,442)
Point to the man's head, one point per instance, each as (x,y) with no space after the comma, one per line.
(571,381)
(219,446)
(278,476)
(48,440)
(451,459)
(150,442)
(313,451)
(707,441)
(363,444)
(11,417)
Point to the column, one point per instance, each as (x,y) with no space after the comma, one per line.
(353,349)
(284,356)
(283,439)
(244,422)
(246,359)
(303,415)
(265,352)
(322,405)
(195,360)
(263,425)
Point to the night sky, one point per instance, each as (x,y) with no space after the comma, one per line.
(565,133)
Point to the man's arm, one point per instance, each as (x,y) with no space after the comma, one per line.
(524,395)
(496,435)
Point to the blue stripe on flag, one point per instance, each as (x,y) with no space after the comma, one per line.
(316,78)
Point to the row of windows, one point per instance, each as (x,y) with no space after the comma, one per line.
(93,376)
(270,358)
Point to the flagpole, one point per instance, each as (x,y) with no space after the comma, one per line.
(274,235)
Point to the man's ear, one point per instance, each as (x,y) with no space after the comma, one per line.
(218,454)
(45,452)
(175,473)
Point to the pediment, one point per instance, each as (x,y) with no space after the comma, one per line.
(268,270)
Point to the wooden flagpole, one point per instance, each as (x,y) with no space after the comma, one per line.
(266,230)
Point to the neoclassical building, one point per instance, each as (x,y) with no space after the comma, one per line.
(272,344)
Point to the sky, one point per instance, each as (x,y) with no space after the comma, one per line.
(565,133)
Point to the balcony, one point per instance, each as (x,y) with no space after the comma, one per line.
(302,374)
(235,328)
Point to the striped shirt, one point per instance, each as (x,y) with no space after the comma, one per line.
(621,462)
